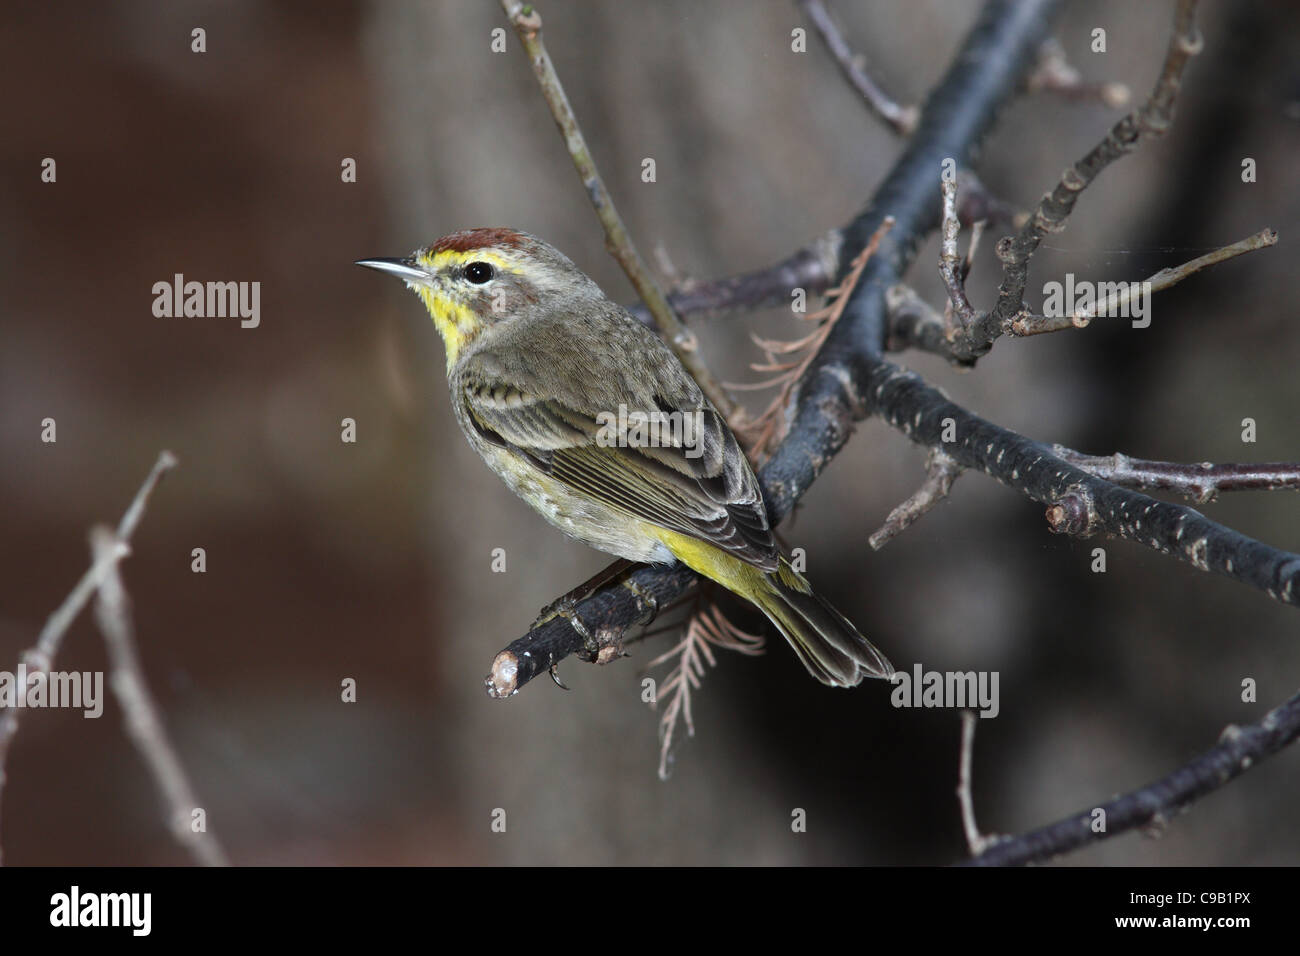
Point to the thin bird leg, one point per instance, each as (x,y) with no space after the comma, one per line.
(644,599)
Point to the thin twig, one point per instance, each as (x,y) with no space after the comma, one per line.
(950,264)
(142,720)
(1239,749)
(941,471)
(1200,482)
(1117,303)
(40,657)
(975,841)
(528,26)
(1152,120)
(901,119)
(1054,74)
(812,269)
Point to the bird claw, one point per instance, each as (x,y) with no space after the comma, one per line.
(555,676)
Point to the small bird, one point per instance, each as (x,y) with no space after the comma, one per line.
(591,419)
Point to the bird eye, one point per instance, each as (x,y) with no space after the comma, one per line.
(479,272)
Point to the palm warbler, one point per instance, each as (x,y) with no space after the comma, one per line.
(590,418)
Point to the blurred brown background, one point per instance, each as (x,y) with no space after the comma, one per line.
(328,560)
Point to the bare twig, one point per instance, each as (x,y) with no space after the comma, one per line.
(528,25)
(812,268)
(1014,252)
(901,119)
(707,626)
(1054,74)
(40,657)
(1117,303)
(142,720)
(940,472)
(950,264)
(976,841)
(1200,482)
(1238,750)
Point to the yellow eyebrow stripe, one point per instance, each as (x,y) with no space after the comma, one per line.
(449,257)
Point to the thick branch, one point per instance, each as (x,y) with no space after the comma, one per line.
(1101,506)
(1239,749)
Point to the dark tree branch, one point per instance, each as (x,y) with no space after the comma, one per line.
(913,323)
(811,268)
(607,614)
(901,119)
(1239,749)
(1098,506)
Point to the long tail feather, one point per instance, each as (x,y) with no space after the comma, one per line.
(826,641)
